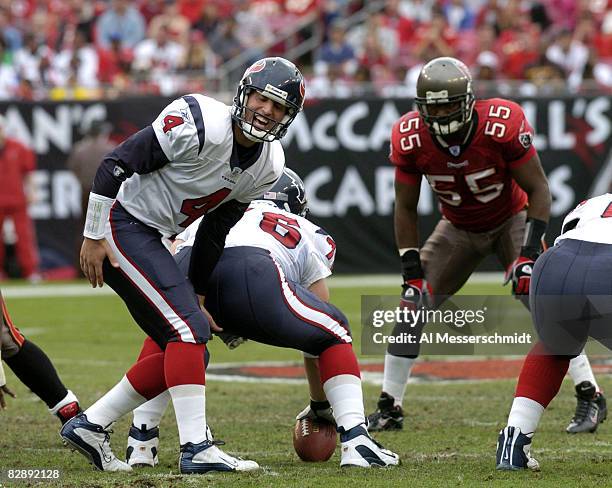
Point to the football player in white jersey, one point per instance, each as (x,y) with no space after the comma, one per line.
(570,302)
(200,157)
(269,286)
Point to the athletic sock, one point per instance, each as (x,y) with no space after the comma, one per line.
(395,376)
(36,371)
(184,372)
(121,399)
(580,370)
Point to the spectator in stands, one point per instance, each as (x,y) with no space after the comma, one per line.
(199,58)
(115,63)
(224,41)
(419,11)
(459,15)
(436,38)
(151,8)
(9,82)
(190,9)
(32,61)
(77,64)
(336,52)
(16,190)
(374,26)
(10,35)
(171,19)
(571,54)
(123,21)
(543,74)
(252,31)
(209,19)
(156,60)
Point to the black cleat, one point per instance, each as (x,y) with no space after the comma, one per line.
(591,409)
(387,416)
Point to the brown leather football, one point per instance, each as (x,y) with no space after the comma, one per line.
(314,441)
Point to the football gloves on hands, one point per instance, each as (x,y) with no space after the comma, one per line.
(416,291)
(320,411)
(519,272)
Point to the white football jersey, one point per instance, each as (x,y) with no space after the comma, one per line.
(304,254)
(590,221)
(195,133)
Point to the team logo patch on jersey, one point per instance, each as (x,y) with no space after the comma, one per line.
(525,138)
(454,150)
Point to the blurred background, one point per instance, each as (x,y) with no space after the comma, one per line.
(77,77)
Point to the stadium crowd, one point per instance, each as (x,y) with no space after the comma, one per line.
(51,49)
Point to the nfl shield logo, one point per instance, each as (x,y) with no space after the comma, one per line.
(455,150)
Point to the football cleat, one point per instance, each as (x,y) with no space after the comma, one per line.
(359,449)
(93,441)
(591,409)
(388,416)
(206,457)
(513,451)
(142,446)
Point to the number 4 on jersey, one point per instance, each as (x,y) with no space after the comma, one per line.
(172,121)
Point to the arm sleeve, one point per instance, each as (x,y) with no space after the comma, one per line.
(517,145)
(140,153)
(210,241)
(406,170)
(314,269)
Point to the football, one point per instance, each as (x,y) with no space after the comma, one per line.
(314,441)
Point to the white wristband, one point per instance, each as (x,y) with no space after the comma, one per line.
(98,210)
(2,377)
(404,249)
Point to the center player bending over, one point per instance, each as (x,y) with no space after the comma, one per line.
(269,286)
(478,157)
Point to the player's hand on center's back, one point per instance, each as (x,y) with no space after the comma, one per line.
(93,253)
(213,325)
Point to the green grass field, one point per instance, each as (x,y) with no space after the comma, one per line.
(449,436)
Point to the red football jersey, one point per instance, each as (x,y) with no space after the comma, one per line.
(473,181)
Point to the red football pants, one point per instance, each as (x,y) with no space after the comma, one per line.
(27,255)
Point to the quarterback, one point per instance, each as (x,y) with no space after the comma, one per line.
(200,157)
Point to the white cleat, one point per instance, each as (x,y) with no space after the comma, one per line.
(359,449)
(93,441)
(206,457)
(142,447)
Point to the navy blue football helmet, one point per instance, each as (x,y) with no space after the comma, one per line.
(277,79)
(289,193)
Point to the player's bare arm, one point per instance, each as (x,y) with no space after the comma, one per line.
(531,178)
(405,216)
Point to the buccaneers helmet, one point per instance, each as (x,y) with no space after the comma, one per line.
(289,194)
(277,79)
(445,81)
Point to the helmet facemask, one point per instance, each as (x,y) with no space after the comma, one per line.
(451,123)
(245,115)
